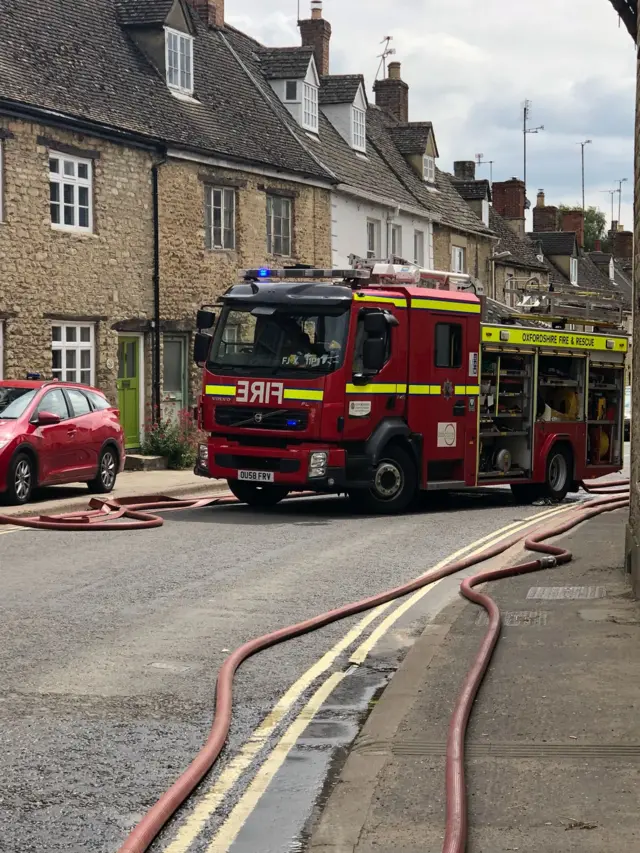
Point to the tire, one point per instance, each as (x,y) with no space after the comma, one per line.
(559,474)
(527,493)
(107,473)
(395,484)
(21,479)
(264,496)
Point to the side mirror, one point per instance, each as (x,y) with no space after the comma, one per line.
(205,319)
(375,324)
(47,419)
(374,354)
(201,345)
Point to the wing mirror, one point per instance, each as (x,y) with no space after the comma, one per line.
(47,419)
(201,345)
(205,319)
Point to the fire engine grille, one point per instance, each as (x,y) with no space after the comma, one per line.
(293,420)
(257,463)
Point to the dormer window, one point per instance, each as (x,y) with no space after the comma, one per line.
(310,107)
(179,61)
(429,168)
(359,129)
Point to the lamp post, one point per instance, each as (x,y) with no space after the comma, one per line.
(582,144)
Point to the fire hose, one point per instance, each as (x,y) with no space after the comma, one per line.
(140,513)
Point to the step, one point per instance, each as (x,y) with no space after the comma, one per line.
(137,462)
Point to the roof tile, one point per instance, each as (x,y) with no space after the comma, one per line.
(285,63)
(339,88)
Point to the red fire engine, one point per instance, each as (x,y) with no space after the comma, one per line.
(388,382)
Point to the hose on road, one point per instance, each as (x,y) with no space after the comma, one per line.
(142,836)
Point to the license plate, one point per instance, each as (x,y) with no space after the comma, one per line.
(257,476)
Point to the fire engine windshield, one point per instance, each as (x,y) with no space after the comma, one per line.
(278,342)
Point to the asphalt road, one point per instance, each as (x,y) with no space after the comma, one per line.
(110,642)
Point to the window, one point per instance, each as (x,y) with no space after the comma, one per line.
(511,292)
(279,225)
(418,248)
(359,133)
(485,212)
(448,345)
(179,60)
(310,107)
(70,192)
(396,240)
(429,169)
(99,403)
(291,91)
(79,403)
(574,271)
(220,218)
(55,403)
(73,352)
(458,259)
(373,238)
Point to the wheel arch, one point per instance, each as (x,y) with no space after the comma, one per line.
(393,431)
(29,451)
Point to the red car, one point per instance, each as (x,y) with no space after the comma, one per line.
(57,432)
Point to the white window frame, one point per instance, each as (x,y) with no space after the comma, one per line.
(485,212)
(418,248)
(395,241)
(374,229)
(359,129)
(458,259)
(310,107)
(429,168)
(1,210)
(573,271)
(75,183)
(511,292)
(180,75)
(287,99)
(227,236)
(272,218)
(73,374)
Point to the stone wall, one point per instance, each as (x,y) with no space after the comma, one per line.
(504,272)
(478,251)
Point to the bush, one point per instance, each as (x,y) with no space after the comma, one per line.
(176,440)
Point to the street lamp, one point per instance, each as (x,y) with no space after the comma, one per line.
(582,144)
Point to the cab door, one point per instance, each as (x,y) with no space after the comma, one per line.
(454,398)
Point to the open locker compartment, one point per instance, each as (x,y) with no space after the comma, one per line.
(605,412)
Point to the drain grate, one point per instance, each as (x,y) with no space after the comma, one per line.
(550,751)
(565,593)
(517,618)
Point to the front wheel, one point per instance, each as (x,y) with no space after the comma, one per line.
(559,474)
(263,496)
(395,484)
(21,480)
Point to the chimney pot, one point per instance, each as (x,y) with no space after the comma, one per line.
(540,199)
(316,33)
(394,71)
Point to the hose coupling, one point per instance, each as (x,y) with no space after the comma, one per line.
(548,562)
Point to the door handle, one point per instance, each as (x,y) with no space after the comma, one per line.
(459,409)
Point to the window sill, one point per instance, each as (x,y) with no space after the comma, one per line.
(187,97)
(72,230)
(216,250)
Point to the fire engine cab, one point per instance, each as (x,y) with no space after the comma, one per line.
(383,380)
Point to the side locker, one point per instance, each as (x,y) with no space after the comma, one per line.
(472,425)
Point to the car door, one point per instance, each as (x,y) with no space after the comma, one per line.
(88,438)
(55,443)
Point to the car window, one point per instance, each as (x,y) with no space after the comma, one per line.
(79,403)
(54,402)
(12,407)
(99,402)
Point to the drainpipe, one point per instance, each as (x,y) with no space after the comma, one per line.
(156,369)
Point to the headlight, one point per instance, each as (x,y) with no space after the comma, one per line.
(318,465)
(203,453)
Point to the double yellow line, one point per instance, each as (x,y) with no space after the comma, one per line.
(210,800)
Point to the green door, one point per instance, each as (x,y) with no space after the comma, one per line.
(129,390)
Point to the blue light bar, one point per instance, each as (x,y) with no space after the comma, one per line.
(264,273)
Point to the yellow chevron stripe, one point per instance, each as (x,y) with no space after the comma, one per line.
(302,394)
(443,305)
(376,388)
(385,300)
(221,390)
(425,390)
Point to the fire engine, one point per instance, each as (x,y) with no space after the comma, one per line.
(383,380)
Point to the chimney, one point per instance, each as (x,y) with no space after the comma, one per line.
(465,170)
(623,245)
(392,94)
(316,33)
(545,217)
(597,246)
(211,12)
(573,220)
(509,202)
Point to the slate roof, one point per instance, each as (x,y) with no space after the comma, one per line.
(555,242)
(412,138)
(339,88)
(628,11)
(472,190)
(77,60)
(133,13)
(622,278)
(523,251)
(285,63)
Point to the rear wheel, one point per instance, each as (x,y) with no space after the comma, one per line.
(559,473)
(107,473)
(21,479)
(395,484)
(263,496)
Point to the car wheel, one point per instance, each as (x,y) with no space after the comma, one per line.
(395,484)
(559,474)
(21,480)
(263,496)
(107,473)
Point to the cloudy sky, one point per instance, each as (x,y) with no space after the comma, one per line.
(472,63)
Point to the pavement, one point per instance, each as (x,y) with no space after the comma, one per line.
(553,748)
(61,499)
